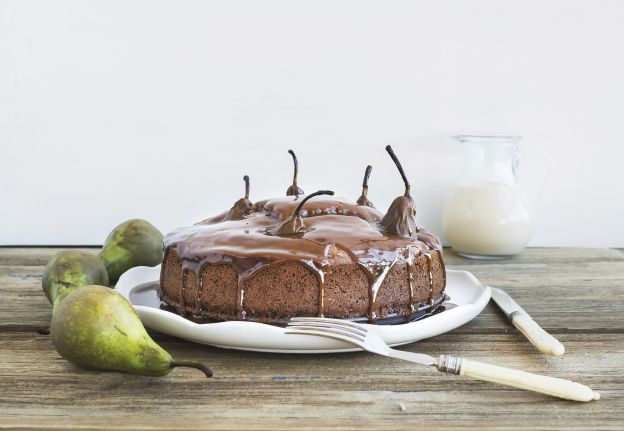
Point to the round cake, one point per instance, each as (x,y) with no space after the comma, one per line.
(305,255)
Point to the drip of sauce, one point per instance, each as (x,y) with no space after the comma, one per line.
(240,297)
(200,289)
(335,231)
(320,275)
(181,307)
(409,259)
(429,275)
(321,300)
(376,275)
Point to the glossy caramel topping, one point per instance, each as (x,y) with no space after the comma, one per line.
(281,208)
(328,222)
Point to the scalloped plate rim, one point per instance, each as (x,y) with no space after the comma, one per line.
(463,287)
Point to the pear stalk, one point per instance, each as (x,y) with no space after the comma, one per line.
(363,199)
(294,189)
(396,161)
(191,364)
(246,180)
(241,207)
(400,220)
(293,224)
(296,166)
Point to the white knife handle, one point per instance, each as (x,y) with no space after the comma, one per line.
(541,339)
(518,379)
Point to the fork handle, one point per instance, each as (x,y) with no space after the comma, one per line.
(518,379)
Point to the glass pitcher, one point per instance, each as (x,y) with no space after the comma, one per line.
(488,216)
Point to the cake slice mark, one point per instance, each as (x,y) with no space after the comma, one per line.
(443,268)
(241,314)
(200,289)
(320,275)
(410,281)
(243,277)
(162,274)
(429,275)
(376,273)
(430,241)
(182,292)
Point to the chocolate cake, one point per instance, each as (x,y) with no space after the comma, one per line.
(305,255)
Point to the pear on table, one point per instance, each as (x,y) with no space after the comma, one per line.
(133,243)
(70,269)
(95,327)
(400,220)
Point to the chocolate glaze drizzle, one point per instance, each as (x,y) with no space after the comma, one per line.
(336,231)
(251,237)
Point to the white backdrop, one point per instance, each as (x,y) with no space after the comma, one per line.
(113,109)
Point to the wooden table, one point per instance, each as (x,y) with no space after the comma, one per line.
(576,294)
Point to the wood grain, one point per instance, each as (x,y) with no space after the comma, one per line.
(575,294)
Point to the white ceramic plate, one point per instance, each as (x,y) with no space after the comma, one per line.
(140,286)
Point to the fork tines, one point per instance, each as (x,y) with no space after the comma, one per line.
(328,320)
(338,327)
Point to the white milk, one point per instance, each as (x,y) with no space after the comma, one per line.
(487,219)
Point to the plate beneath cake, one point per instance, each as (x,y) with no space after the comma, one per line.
(140,286)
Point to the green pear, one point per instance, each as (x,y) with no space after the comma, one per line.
(69,270)
(133,243)
(95,327)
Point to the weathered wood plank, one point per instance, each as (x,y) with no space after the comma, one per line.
(576,294)
(273,386)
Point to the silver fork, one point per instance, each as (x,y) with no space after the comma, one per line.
(357,334)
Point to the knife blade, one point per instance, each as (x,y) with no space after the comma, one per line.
(542,340)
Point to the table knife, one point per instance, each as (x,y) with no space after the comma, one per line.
(542,340)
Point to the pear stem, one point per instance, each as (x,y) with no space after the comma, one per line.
(191,364)
(296,163)
(43,331)
(311,195)
(400,168)
(294,223)
(367,173)
(246,179)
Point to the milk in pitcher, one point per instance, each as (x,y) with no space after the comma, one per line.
(487,220)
